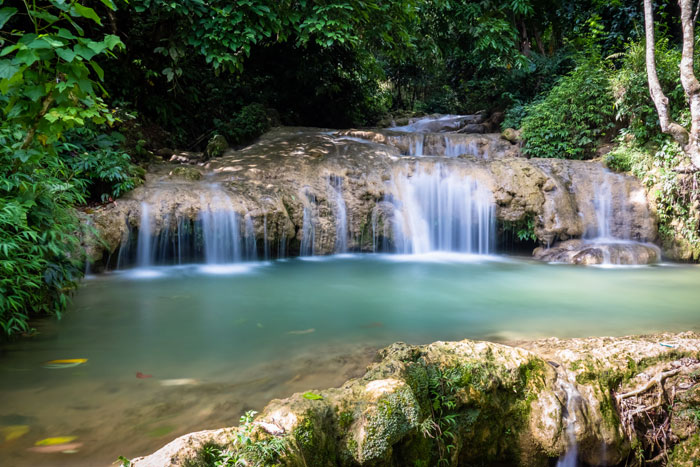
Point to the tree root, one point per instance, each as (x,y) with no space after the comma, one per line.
(645,412)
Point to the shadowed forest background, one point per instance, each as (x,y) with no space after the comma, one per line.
(90,91)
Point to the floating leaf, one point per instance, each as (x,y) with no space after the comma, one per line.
(65,363)
(69,447)
(312,396)
(14,431)
(56,440)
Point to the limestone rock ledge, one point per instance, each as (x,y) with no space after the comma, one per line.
(468,402)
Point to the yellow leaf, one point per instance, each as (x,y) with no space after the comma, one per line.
(14,431)
(55,441)
(68,360)
(67,363)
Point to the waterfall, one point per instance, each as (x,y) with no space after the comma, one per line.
(308,228)
(221,232)
(416,144)
(250,250)
(610,224)
(143,247)
(457,148)
(444,211)
(217,234)
(266,243)
(341,218)
(573,399)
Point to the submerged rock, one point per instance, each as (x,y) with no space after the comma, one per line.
(462,403)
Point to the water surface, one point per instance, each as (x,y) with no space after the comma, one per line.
(236,336)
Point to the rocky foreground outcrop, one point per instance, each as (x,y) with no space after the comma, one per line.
(297,175)
(612,400)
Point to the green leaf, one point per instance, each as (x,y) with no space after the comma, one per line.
(26,57)
(84,52)
(7,69)
(98,69)
(66,54)
(35,92)
(5,14)
(312,396)
(87,12)
(66,34)
(109,4)
(9,49)
(112,41)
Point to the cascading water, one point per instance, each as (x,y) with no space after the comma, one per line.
(454,148)
(215,236)
(341,217)
(221,232)
(416,145)
(444,211)
(145,238)
(573,399)
(308,228)
(610,224)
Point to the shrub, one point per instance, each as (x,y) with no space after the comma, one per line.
(251,122)
(573,116)
(38,261)
(101,170)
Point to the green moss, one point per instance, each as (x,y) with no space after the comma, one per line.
(304,434)
(187,173)
(396,415)
(686,453)
(345,419)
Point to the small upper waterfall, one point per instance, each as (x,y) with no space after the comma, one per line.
(442,210)
(610,224)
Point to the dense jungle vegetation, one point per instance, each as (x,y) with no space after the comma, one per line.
(91,90)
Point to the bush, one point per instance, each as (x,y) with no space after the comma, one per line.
(38,261)
(248,124)
(101,170)
(514,115)
(574,115)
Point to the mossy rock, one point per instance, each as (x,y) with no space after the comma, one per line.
(686,453)
(186,173)
(511,135)
(216,146)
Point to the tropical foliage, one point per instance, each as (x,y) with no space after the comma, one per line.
(88,88)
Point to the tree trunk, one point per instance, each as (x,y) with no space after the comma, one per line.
(690,141)
(690,83)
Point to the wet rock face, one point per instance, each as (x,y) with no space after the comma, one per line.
(520,405)
(297,180)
